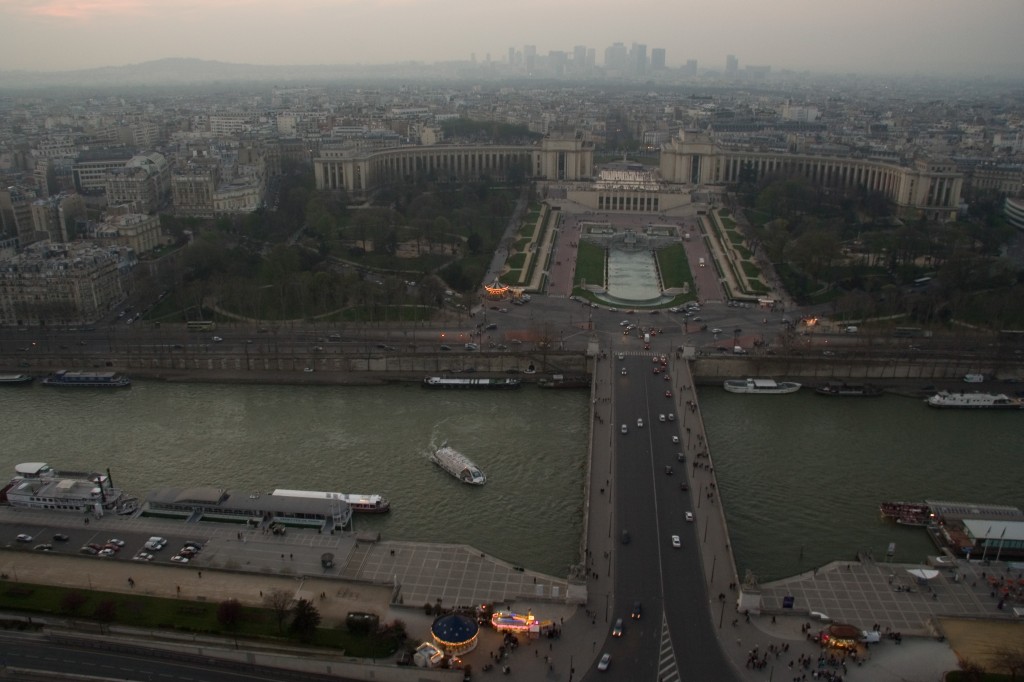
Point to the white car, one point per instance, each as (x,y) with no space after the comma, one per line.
(661,417)
(22,537)
(676,542)
(624,429)
(716,330)
(671,416)
(623,372)
(605,661)
(622,356)
(689,516)
(143,556)
(217,339)
(639,423)
(675,439)
(178,559)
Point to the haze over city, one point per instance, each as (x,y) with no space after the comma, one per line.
(935,37)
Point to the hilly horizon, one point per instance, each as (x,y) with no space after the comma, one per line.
(193,71)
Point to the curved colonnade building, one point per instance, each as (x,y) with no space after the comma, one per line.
(929,188)
(360,171)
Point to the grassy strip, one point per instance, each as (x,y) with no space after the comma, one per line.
(675,269)
(590,260)
(177,614)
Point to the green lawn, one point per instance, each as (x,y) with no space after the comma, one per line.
(590,260)
(675,270)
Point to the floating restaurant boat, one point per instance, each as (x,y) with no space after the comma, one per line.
(16,379)
(907,513)
(458,465)
(36,485)
(452,382)
(976,401)
(767,386)
(563,381)
(79,379)
(845,390)
(362,504)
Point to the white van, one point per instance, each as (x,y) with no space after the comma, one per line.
(851,329)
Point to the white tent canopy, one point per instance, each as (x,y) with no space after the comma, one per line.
(923,573)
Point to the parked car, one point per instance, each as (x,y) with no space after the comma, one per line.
(23,537)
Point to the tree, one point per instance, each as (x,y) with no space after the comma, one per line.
(72,602)
(229,612)
(1010,660)
(105,611)
(305,620)
(279,602)
(972,671)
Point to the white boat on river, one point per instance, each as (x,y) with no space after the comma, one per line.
(458,465)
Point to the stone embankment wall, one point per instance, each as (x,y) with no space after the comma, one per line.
(864,369)
(347,368)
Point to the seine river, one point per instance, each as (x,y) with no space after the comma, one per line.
(801,476)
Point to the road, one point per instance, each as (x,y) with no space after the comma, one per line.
(675,630)
(110,659)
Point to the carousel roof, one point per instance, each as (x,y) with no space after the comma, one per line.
(454,628)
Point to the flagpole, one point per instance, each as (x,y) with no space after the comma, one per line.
(985,549)
(1000,544)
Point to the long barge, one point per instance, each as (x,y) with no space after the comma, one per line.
(360,503)
(452,382)
(72,378)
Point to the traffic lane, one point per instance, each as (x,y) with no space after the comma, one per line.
(695,641)
(36,653)
(637,569)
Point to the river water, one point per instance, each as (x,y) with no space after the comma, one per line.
(801,475)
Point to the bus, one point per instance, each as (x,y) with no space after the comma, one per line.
(200,325)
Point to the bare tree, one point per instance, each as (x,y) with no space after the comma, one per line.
(1010,660)
(280,603)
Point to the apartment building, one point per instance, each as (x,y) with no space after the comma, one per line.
(144,182)
(59,284)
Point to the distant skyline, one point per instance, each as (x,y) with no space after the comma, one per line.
(940,37)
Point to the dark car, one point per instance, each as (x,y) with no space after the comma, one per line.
(637,609)
(625,537)
(60,537)
(617,628)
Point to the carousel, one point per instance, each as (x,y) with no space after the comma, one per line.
(455,634)
(496,290)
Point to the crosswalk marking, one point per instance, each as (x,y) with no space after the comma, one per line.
(668,670)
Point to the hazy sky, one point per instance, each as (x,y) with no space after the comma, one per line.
(911,36)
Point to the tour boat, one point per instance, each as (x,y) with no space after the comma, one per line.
(16,379)
(458,465)
(976,401)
